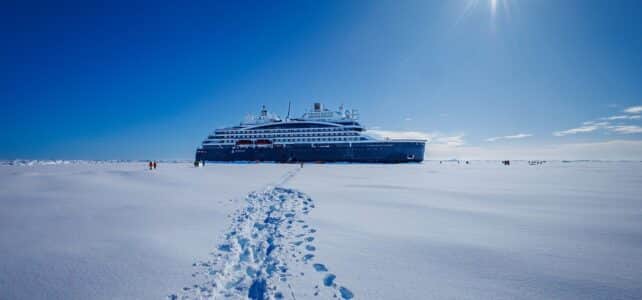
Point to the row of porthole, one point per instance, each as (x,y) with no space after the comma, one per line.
(285,130)
(270,136)
(301,140)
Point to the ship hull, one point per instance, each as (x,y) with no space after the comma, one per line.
(365,152)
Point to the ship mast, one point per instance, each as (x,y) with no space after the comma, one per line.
(287,118)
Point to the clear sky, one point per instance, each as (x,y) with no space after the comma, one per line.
(481,79)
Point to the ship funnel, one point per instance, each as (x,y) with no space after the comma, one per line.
(317,106)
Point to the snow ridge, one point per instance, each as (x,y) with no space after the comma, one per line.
(268,240)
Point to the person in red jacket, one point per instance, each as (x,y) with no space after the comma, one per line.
(150,165)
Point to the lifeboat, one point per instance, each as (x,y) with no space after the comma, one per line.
(244,143)
(263,143)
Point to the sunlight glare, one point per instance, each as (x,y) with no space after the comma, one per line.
(494,5)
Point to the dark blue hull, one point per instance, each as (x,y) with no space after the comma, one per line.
(369,152)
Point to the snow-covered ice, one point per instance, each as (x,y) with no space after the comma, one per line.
(363,231)
(114,231)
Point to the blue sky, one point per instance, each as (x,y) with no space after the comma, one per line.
(149,80)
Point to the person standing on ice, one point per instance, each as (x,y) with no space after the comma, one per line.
(154,165)
(150,165)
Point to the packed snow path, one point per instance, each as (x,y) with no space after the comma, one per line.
(269,244)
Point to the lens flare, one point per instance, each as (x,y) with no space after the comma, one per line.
(493,5)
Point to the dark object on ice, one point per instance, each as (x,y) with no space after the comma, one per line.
(506,162)
(536,162)
(467,162)
(196,163)
(154,165)
(150,165)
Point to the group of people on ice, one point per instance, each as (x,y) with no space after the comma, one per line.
(152,165)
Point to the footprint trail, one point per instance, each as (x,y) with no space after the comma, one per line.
(267,245)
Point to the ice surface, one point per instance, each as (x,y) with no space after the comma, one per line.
(74,230)
(480,231)
(115,230)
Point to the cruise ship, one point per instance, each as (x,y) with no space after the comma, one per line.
(320,135)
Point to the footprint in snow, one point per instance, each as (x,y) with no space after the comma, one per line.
(253,260)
